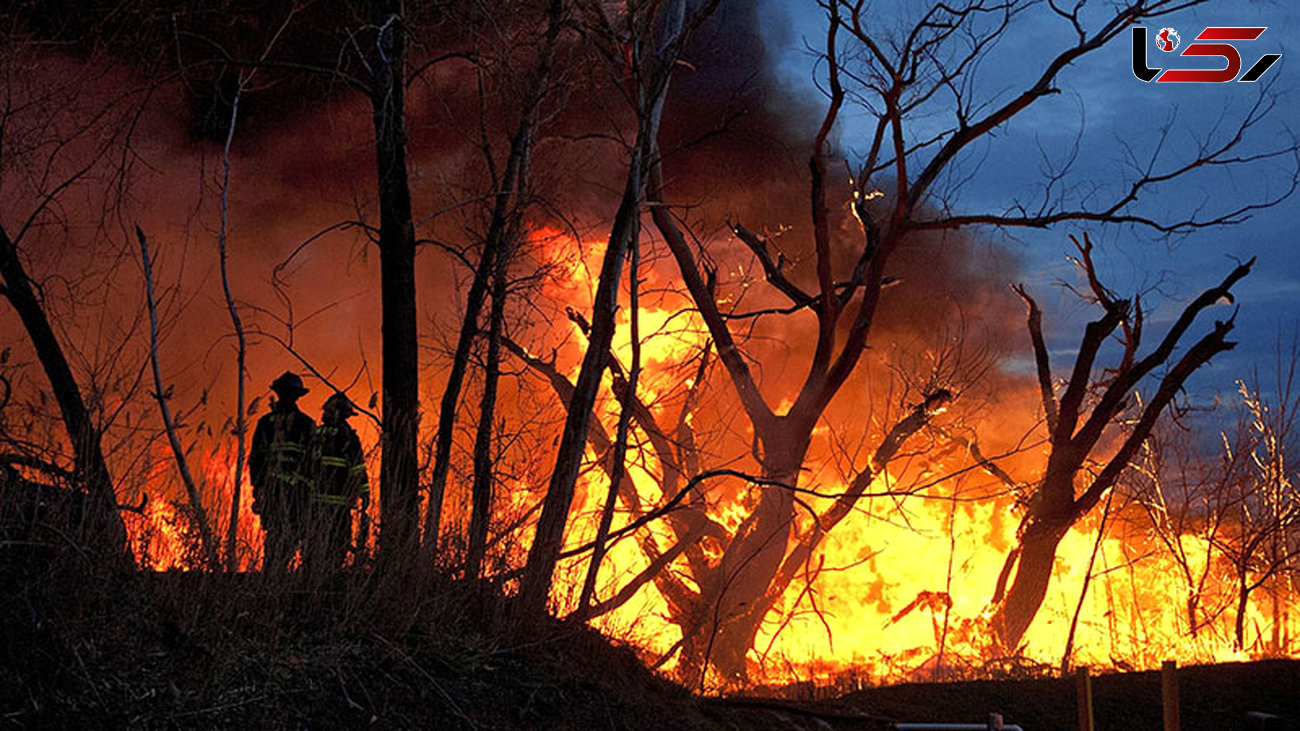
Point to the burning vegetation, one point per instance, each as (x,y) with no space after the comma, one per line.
(637,336)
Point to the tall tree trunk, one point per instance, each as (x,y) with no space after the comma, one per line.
(1051,515)
(398,489)
(451,394)
(535,585)
(241,340)
(1033,573)
(106,529)
(1243,601)
(618,469)
(510,198)
(731,600)
(481,490)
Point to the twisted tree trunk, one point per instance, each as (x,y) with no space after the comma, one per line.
(1074,434)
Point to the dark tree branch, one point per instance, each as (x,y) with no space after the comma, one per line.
(772,269)
(1042,362)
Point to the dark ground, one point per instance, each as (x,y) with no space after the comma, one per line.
(203,651)
(1212,697)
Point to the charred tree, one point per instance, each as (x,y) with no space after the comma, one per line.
(758,563)
(398,486)
(679,505)
(510,197)
(481,489)
(1063,496)
(897,80)
(618,458)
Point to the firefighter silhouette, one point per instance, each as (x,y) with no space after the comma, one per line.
(337,468)
(277,465)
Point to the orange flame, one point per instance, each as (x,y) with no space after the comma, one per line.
(899,590)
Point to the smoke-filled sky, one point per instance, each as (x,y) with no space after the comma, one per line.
(1105,117)
(301,161)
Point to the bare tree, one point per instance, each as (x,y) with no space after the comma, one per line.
(618,457)
(1262,533)
(1076,428)
(241,340)
(689,558)
(91,470)
(56,139)
(207,542)
(903,81)
(1184,494)
(398,488)
(508,201)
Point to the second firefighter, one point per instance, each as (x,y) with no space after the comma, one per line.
(337,469)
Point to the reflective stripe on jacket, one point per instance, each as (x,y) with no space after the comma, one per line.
(338,466)
(277,458)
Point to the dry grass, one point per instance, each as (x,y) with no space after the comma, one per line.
(84,648)
(194,650)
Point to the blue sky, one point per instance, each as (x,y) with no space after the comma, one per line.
(1103,108)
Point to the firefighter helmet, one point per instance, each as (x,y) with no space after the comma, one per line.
(341,404)
(288,385)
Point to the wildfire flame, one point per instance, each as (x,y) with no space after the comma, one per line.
(899,590)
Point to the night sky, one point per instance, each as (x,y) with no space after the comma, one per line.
(1112,118)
